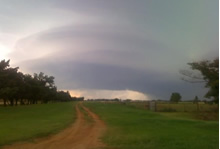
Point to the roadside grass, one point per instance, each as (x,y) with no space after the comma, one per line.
(135,128)
(28,122)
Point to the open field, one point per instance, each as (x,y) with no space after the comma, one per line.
(28,122)
(128,127)
(135,128)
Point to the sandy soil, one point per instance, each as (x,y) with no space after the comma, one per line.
(83,134)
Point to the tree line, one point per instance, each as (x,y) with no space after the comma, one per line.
(19,88)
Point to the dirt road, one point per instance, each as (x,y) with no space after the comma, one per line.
(83,134)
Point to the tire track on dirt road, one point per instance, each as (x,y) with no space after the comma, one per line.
(80,135)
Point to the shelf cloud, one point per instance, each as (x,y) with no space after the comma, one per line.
(130,46)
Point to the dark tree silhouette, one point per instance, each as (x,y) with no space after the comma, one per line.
(16,87)
(196,99)
(209,73)
(175,97)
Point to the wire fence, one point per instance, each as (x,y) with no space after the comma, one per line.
(158,106)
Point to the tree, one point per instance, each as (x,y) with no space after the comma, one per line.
(175,97)
(63,96)
(196,99)
(9,82)
(209,74)
(16,87)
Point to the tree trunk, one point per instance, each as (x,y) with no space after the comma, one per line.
(16,102)
(5,102)
(11,102)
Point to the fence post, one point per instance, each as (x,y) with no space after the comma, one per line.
(184,107)
(197,106)
(152,106)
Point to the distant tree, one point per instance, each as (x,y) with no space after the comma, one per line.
(196,99)
(209,74)
(63,96)
(77,98)
(45,87)
(175,97)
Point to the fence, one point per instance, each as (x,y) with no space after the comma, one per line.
(176,107)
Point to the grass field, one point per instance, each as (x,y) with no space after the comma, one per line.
(27,122)
(135,128)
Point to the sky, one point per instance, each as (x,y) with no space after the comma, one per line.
(111,49)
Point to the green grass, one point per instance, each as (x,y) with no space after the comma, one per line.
(179,115)
(27,122)
(135,128)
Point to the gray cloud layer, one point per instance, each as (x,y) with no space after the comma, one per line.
(112,45)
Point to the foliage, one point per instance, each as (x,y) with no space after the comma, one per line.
(209,74)
(196,99)
(16,87)
(175,97)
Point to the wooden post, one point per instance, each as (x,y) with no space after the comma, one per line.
(184,106)
(197,106)
(152,105)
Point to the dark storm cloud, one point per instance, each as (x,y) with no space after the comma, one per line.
(118,34)
(104,57)
(79,75)
(100,43)
(113,45)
